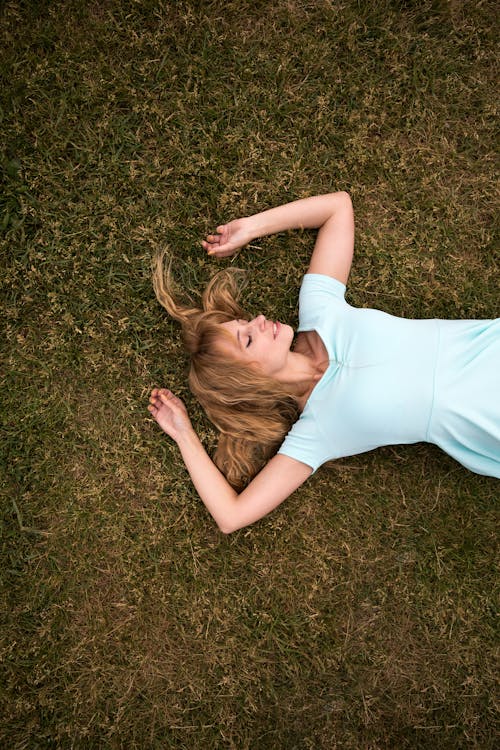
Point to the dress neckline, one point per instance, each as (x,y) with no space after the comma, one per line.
(327,359)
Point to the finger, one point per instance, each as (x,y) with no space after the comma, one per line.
(210,248)
(167,398)
(222,247)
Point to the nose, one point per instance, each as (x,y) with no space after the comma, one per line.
(259,321)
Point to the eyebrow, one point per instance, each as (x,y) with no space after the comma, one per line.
(238,337)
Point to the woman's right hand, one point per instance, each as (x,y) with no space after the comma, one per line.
(169,412)
(229,238)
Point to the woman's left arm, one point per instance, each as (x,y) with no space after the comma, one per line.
(334,247)
(332,214)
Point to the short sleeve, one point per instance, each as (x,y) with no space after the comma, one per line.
(305,443)
(316,293)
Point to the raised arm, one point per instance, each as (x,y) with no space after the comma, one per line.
(231,511)
(332,214)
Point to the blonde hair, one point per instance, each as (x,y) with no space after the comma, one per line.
(252,412)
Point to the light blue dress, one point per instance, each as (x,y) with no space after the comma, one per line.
(392,380)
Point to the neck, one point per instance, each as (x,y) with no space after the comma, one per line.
(301,375)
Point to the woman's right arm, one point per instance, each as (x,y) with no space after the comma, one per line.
(230,510)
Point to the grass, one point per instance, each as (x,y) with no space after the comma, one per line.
(361,614)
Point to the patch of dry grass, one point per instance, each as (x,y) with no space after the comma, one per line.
(361,614)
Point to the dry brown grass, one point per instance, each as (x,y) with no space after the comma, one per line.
(361,614)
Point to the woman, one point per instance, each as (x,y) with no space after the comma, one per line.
(354,379)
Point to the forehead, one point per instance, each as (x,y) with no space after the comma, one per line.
(231,326)
(230,342)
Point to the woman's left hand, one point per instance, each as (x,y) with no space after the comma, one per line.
(229,238)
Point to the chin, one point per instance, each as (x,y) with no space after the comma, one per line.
(289,332)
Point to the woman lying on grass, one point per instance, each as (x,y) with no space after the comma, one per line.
(351,379)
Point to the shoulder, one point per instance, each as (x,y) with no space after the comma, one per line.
(321,285)
(318,293)
(305,441)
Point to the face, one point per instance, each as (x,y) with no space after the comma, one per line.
(260,342)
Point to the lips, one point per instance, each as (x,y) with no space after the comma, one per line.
(276,329)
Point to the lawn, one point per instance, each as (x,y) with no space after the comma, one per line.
(361,614)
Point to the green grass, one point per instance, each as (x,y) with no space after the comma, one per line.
(361,614)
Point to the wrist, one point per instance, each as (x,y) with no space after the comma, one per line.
(186,438)
(267,222)
(251,228)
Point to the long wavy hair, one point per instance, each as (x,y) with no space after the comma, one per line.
(251,411)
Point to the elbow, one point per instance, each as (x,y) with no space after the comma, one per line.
(227,528)
(346,198)
(229,518)
(341,203)
(345,206)
(229,525)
